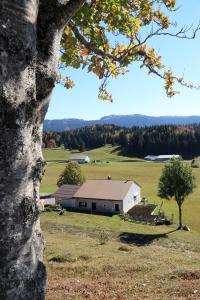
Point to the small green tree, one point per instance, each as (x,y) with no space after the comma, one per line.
(72,174)
(176,181)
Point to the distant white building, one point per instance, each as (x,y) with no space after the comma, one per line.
(107,196)
(161,158)
(150,157)
(81,159)
(166,157)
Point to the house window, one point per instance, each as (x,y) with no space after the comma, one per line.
(135,198)
(116,207)
(94,206)
(82,204)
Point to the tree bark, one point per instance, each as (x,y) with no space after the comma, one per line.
(22,273)
(30,33)
(180,216)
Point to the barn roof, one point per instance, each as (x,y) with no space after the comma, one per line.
(168,156)
(150,157)
(159,157)
(66,191)
(104,189)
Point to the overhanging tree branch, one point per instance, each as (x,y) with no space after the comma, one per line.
(138,50)
(89,45)
(65,10)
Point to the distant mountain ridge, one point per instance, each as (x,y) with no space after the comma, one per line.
(119,120)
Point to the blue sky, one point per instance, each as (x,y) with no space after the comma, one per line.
(137,92)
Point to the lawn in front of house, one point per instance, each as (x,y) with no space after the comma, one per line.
(137,261)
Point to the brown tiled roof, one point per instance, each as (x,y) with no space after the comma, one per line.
(66,191)
(104,189)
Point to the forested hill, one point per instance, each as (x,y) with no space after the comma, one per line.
(119,120)
(135,141)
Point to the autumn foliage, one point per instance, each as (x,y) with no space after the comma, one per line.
(106,36)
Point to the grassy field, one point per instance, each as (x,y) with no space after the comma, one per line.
(137,261)
(119,167)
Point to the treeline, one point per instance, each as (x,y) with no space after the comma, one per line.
(88,137)
(135,141)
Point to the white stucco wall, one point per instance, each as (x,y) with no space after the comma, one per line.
(132,197)
(50,201)
(67,203)
(107,206)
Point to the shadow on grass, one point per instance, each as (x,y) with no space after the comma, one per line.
(121,151)
(133,160)
(89,212)
(142,239)
(56,161)
(116,149)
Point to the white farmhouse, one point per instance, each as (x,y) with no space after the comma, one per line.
(107,196)
(81,159)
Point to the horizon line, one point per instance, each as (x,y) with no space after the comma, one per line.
(124,115)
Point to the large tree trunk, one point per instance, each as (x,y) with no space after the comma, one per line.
(180,216)
(30,33)
(22,274)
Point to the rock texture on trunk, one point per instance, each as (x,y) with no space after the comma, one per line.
(30,33)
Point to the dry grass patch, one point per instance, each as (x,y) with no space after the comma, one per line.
(163,269)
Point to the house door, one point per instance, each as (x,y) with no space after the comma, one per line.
(116,207)
(94,206)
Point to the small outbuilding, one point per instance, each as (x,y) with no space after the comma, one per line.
(45,199)
(64,195)
(80,159)
(107,196)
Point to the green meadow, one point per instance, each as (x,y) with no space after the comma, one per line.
(119,167)
(105,258)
